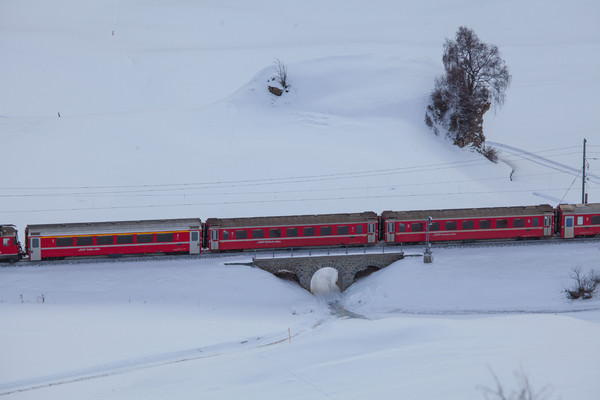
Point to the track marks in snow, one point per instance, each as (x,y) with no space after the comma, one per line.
(540,160)
(153,361)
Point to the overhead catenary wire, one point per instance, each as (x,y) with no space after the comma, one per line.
(164,193)
(427,167)
(267,201)
(148,188)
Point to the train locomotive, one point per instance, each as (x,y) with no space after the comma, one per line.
(192,236)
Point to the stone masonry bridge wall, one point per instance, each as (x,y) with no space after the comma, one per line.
(346,265)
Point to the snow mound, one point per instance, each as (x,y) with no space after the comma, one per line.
(367,85)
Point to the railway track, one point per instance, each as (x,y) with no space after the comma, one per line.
(414,249)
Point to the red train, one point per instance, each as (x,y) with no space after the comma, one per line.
(190,236)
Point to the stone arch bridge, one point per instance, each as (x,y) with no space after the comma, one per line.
(349,267)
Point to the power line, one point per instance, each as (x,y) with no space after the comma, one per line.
(204,193)
(339,198)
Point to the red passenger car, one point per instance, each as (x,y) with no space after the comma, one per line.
(579,220)
(10,248)
(113,238)
(291,231)
(468,224)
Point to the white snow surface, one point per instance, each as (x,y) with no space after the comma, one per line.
(153,109)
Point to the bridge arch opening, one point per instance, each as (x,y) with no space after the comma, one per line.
(325,282)
(287,275)
(365,272)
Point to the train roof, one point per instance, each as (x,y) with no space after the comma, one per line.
(291,220)
(83,228)
(491,212)
(8,230)
(593,208)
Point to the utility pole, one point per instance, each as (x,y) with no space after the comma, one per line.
(427,256)
(583,196)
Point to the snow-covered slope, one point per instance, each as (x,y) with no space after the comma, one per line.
(164,110)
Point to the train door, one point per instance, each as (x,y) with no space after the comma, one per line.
(214,239)
(35,249)
(569,230)
(547,226)
(371,233)
(390,234)
(195,242)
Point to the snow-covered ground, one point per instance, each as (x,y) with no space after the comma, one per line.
(144,109)
(206,328)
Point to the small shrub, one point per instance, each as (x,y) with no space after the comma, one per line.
(278,82)
(524,391)
(281,73)
(584,285)
(490,153)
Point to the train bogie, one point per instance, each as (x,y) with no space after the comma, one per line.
(114,238)
(578,220)
(291,231)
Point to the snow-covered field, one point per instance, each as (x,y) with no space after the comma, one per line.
(200,328)
(140,109)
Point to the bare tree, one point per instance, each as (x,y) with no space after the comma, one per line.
(476,78)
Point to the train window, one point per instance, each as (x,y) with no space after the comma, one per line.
(401,227)
(124,239)
(342,230)
(326,230)
(535,222)
(274,233)
(579,220)
(450,225)
(6,242)
(85,241)
(164,237)
(195,236)
(359,229)
(501,223)
(435,226)
(485,224)
(241,234)
(258,233)
(417,227)
(64,241)
(371,228)
(292,232)
(309,231)
(595,219)
(104,240)
(225,235)
(468,225)
(518,222)
(569,222)
(145,238)
(35,243)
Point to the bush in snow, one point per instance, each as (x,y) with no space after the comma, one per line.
(524,391)
(490,153)
(584,285)
(278,82)
(476,78)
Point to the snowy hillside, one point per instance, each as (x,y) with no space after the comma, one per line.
(164,110)
(143,109)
